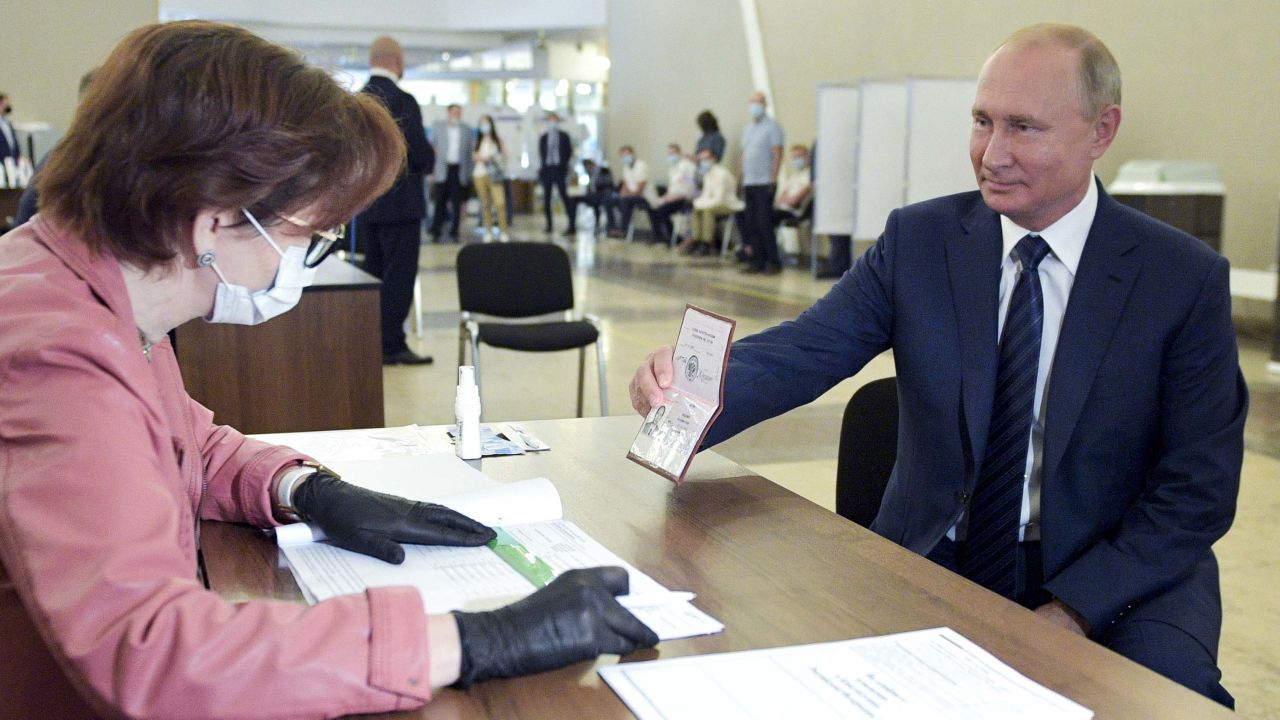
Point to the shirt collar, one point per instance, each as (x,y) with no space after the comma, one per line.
(1066,236)
(383,72)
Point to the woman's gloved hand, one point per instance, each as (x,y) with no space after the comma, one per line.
(575,617)
(374,524)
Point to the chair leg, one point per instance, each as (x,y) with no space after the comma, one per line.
(604,395)
(417,306)
(728,237)
(475,362)
(582,375)
(462,343)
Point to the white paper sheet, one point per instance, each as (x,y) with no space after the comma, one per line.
(919,675)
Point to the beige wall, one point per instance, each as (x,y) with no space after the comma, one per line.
(48,47)
(1201,79)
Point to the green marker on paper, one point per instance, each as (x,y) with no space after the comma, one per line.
(530,566)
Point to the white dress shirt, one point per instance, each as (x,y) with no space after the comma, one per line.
(453,144)
(1057,271)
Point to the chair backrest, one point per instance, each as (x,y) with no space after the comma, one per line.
(514,280)
(868,447)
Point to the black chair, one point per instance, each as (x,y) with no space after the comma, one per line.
(868,447)
(521,280)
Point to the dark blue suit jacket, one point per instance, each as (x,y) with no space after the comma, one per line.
(406,200)
(1145,408)
(565,147)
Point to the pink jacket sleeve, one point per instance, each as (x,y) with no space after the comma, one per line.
(95,528)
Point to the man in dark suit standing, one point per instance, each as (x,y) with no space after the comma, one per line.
(1071,405)
(9,147)
(391,228)
(554,152)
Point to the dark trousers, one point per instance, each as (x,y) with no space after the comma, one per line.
(449,197)
(660,217)
(1158,646)
(757,226)
(619,208)
(391,255)
(553,178)
(841,257)
(591,200)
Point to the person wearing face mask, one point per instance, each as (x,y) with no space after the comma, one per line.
(761,160)
(718,198)
(554,151)
(9,147)
(793,197)
(682,185)
(635,192)
(218,209)
(489,176)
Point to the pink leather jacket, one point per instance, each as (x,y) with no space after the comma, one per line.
(105,465)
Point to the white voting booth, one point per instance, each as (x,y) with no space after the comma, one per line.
(885,143)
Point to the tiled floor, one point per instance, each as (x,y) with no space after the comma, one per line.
(639,291)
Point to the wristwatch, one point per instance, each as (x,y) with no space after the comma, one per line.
(289,484)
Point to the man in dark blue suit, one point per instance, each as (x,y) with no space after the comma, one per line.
(1070,401)
(9,146)
(391,227)
(554,151)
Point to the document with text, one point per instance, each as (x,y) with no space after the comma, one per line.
(923,675)
(672,432)
(534,545)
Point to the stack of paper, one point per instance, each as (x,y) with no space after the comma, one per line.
(534,545)
(920,675)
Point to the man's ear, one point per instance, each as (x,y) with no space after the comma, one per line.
(1105,129)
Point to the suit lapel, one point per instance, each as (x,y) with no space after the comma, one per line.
(973,265)
(1101,287)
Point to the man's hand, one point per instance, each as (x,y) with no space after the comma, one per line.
(1058,613)
(651,378)
(374,524)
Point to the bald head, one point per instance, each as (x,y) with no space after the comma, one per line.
(387,54)
(1098,74)
(758,97)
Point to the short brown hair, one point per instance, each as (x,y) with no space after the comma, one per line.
(1099,80)
(188,116)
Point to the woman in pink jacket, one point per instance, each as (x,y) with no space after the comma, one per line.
(197,180)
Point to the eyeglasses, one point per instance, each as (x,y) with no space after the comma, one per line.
(323,242)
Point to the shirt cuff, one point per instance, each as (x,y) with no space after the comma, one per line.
(398,661)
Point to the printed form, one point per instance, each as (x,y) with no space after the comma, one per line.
(921,675)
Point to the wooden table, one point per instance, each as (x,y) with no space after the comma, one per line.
(316,367)
(773,567)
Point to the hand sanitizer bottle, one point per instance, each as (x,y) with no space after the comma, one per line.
(466,412)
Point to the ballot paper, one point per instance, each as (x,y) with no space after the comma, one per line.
(921,675)
(673,431)
(534,545)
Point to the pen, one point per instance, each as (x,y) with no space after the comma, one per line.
(640,600)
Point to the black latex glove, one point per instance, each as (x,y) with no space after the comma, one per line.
(374,523)
(575,617)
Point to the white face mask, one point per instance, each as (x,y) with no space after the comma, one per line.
(238,305)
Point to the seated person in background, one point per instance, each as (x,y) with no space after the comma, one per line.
(108,464)
(635,192)
(599,187)
(488,174)
(793,198)
(682,185)
(718,198)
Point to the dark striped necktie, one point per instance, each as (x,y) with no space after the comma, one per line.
(990,553)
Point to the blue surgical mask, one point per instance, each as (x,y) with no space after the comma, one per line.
(673,159)
(704,166)
(797,163)
(238,305)
(628,160)
(756,109)
(486,127)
